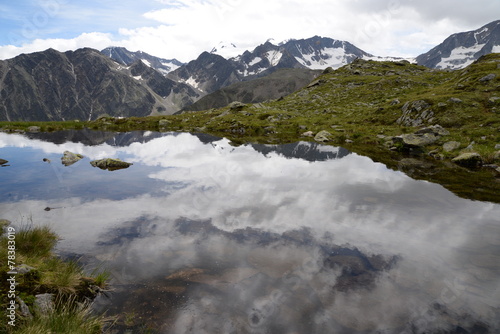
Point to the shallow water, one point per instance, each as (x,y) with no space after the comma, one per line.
(205,237)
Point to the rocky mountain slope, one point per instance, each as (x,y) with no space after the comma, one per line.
(83,85)
(461,49)
(126,57)
(274,86)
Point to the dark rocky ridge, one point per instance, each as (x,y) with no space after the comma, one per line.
(84,85)
(276,85)
(81,84)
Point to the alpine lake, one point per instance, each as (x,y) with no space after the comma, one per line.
(201,236)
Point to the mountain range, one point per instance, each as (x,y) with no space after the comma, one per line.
(86,84)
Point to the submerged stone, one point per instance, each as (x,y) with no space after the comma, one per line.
(110,164)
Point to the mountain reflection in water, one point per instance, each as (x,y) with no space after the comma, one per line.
(205,237)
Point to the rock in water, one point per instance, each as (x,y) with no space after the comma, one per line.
(468,160)
(70,158)
(3,162)
(110,164)
(323,136)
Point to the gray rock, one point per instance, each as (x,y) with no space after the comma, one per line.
(415,113)
(308,134)
(44,303)
(437,130)
(236,105)
(497,147)
(451,146)
(496,156)
(70,158)
(493,100)
(163,123)
(25,311)
(488,77)
(110,164)
(455,100)
(23,269)
(323,136)
(34,129)
(419,140)
(468,160)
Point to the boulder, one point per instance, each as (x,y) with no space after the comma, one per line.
(323,136)
(70,158)
(110,164)
(308,134)
(3,162)
(237,106)
(451,146)
(419,140)
(34,129)
(468,159)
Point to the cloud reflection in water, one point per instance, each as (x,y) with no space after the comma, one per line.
(265,243)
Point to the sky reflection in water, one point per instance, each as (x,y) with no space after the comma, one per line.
(204,237)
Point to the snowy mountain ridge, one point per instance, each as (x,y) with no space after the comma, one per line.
(461,49)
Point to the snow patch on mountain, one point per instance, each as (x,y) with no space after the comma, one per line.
(327,57)
(147,63)
(274,57)
(460,57)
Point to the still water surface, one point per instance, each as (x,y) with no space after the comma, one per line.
(205,237)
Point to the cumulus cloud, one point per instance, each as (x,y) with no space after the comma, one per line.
(184,29)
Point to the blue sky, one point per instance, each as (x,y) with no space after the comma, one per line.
(183,29)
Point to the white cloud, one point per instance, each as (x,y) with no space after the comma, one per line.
(184,29)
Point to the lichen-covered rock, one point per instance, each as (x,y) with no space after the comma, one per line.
(110,164)
(323,136)
(471,159)
(70,158)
